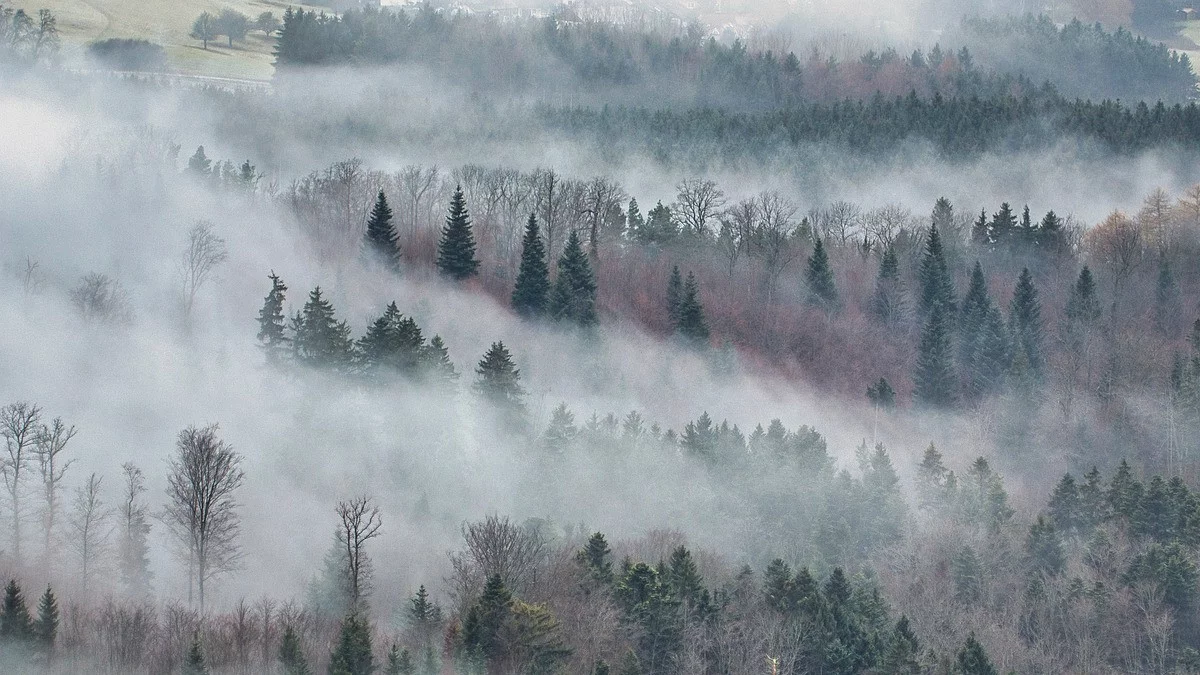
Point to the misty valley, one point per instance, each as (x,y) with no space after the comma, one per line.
(596,338)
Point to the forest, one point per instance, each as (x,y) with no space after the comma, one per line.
(492,346)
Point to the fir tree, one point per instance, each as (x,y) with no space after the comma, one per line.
(1044,549)
(887,304)
(1003,232)
(291,656)
(436,360)
(376,348)
(1050,237)
(199,164)
(499,381)
(1025,322)
(456,250)
(531,295)
(630,664)
(934,376)
(573,299)
(561,432)
(352,655)
(973,660)
(320,339)
(595,557)
(423,614)
(882,395)
(819,277)
(1064,507)
(193,662)
(271,335)
(674,297)
(15,625)
(382,240)
(601,668)
(1168,306)
(482,632)
(634,220)
(937,288)
(1083,307)
(692,326)
(45,629)
(980,232)
(399,662)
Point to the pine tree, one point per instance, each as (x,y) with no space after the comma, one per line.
(271,335)
(291,656)
(1004,228)
(1025,322)
(16,627)
(674,297)
(193,662)
(981,235)
(1064,508)
(1044,550)
(456,250)
(888,305)
(1168,306)
(967,571)
(382,240)
(573,299)
(561,432)
(376,348)
(821,289)
(902,651)
(973,660)
(482,632)
(601,668)
(975,307)
(320,339)
(937,288)
(436,360)
(633,217)
(399,662)
(882,395)
(352,655)
(45,629)
(199,164)
(1050,237)
(499,381)
(934,376)
(1083,307)
(692,327)
(595,556)
(531,295)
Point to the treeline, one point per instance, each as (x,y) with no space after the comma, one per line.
(25,38)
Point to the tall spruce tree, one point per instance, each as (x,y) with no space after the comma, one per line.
(456,249)
(692,327)
(382,241)
(16,628)
(983,345)
(291,656)
(1168,305)
(981,235)
(376,346)
(821,289)
(45,629)
(973,660)
(573,299)
(437,364)
(674,297)
(1083,307)
(1003,232)
(193,662)
(320,339)
(934,378)
(1025,323)
(498,381)
(937,288)
(887,304)
(1051,239)
(352,654)
(531,295)
(271,336)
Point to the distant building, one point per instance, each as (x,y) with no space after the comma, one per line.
(1186,14)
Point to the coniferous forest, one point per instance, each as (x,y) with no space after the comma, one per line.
(573,340)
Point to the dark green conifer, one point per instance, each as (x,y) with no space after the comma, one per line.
(1003,232)
(1083,307)
(499,381)
(887,304)
(573,299)
(45,629)
(674,297)
(882,395)
(320,339)
(973,660)
(1044,549)
(531,295)
(821,289)
(271,335)
(1025,322)
(1168,305)
(382,240)
(934,376)
(1051,239)
(16,627)
(436,361)
(937,288)
(692,327)
(352,654)
(967,570)
(595,556)
(291,657)
(456,249)
(193,662)
(902,651)
(980,233)
(399,662)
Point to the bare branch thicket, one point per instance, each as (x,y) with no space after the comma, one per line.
(100,298)
(90,531)
(698,202)
(20,424)
(201,509)
(495,545)
(359,522)
(51,442)
(882,226)
(204,252)
(602,199)
(774,237)
(133,548)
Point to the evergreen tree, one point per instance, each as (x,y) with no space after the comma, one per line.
(499,381)
(819,277)
(45,629)
(352,655)
(291,656)
(423,614)
(630,664)
(376,348)
(382,240)
(937,288)
(975,307)
(573,299)
(674,297)
(692,326)
(973,660)
(320,339)
(1051,239)
(882,395)
(1044,549)
(1003,232)
(531,295)
(436,360)
(902,651)
(1064,508)
(1025,322)
(399,662)
(193,662)
(967,571)
(1083,307)
(199,164)
(934,376)
(1168,306)
(595,557)
(483,629)
(456,250)
(271,335)
(601,668)
(981,235)
(634,220)
(888,305)
(16,627)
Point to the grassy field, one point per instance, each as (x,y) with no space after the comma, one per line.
(168,23)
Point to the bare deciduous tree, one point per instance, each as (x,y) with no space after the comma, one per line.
(698,202)
(204,252)
(602,207)
(774,237)
(101,298)
(133,553)
(359,522)
(201,508)
(51,442)
(496,546)
(20,423)
(90,530)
